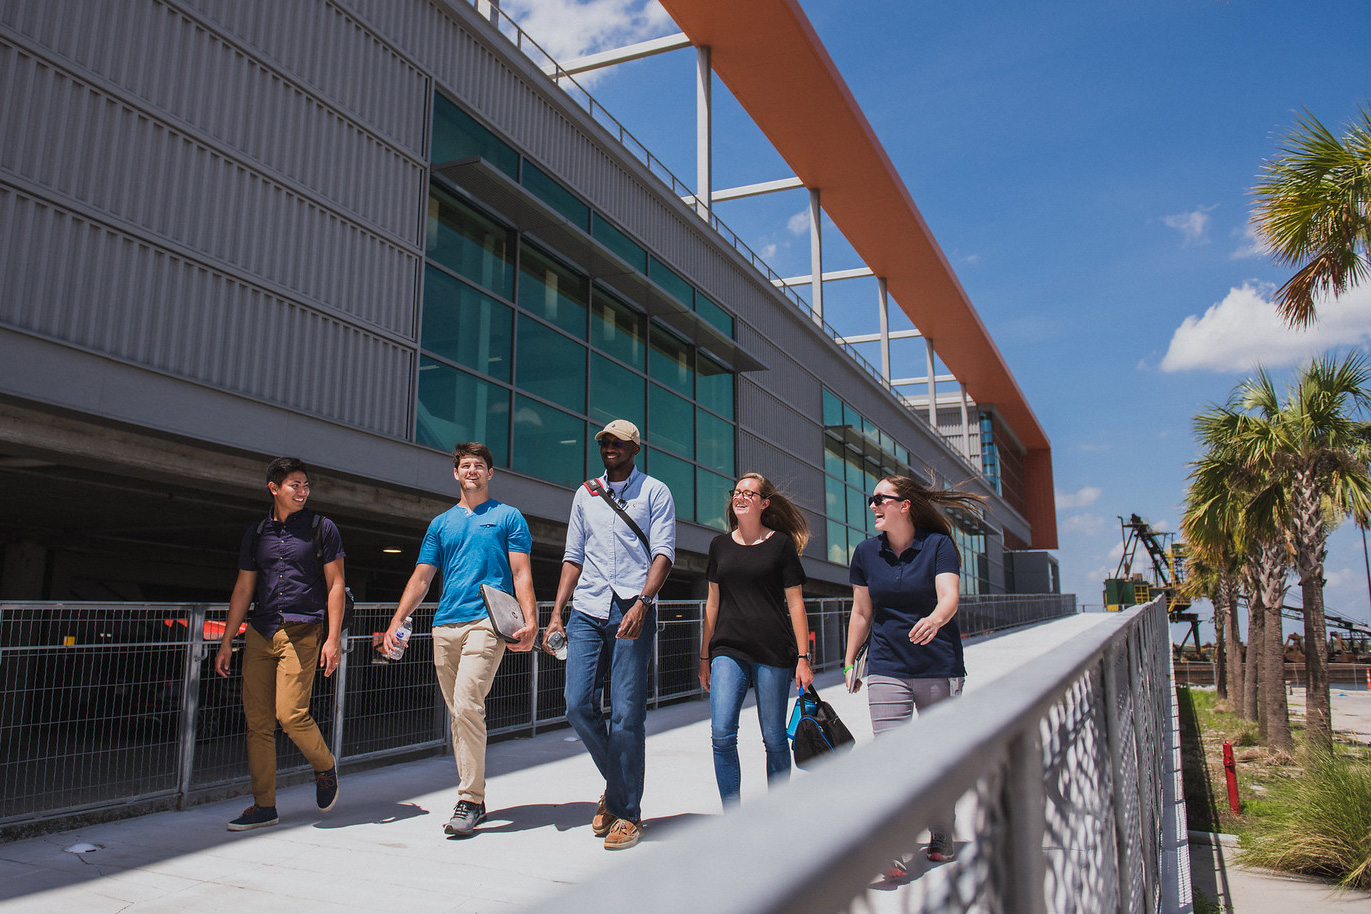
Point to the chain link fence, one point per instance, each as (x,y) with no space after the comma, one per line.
(110,709)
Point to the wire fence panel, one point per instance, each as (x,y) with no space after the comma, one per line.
(108,705)
(1055,772)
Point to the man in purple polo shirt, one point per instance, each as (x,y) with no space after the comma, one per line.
(296,625)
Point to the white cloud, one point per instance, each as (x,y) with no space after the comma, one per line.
(567,29)
(1243,330)
(1088,524)
(1250,245)
(1082,498)
(798,224)
(768,251)
(1193,225)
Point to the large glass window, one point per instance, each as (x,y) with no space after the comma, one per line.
(672,282)
(714,386)
(669,362)
(717,317)
(466,326)
(553,291)
(714,442)
(671,421)
(470,244)
(551,365)
(616,241)
(520,349)
(455,406)
(679,476)
(556,196)
(616,393)
(618,329)
(457,135)
(548,443)
(711,498)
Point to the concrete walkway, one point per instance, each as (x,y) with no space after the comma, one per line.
(383,847)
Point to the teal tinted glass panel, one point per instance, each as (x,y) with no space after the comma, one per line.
(455,406)
(852,417)
(466,326)
(618,329)
(669,362)
(714,386)
(679,477)
(619,243)
(833,409)
(833,458)
(711,499)
(553,291)
(615,393)
(671,421)
(457,135)
(835,499)
(470,244)
(713,315)
(556,196)
(548,443)
(714,442)
(837,543)
(856,507)
(550,365)
(671,282)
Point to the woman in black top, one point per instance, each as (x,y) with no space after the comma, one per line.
(755,629)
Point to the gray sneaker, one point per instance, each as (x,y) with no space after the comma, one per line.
(465,817)
(940,848)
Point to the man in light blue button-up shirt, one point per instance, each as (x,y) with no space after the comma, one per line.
(612,576)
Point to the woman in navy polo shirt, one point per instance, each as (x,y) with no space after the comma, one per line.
(905,582)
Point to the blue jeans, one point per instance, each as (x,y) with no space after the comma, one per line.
(729,680)
(616,744)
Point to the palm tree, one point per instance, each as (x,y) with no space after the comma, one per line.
(1219,515)
(1316,454)
(1212,570)
(1313,211)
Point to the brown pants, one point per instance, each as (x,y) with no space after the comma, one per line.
(278,680)
(466,656)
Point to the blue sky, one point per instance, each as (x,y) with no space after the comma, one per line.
(1085,168)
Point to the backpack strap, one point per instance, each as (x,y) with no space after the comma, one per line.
(593,486)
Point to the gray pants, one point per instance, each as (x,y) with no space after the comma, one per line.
(893,700)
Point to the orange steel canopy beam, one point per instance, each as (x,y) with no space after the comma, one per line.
(767,53)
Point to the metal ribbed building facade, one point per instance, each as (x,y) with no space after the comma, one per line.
(212,251)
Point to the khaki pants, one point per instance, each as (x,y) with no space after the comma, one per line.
(466,656)
(278,680)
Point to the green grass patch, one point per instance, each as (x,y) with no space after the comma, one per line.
(1320,823)
(1298,813)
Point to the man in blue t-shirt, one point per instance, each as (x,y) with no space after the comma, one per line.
(478,541)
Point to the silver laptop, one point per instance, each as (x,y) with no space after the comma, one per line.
(505,613)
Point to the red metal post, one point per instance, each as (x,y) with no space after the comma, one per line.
(1230,771)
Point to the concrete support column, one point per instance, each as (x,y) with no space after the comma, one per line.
(883,301)
(966,426)
(932,385)
(704,133)
(816,256)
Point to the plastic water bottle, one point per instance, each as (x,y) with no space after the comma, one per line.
(402,637)
(556,642)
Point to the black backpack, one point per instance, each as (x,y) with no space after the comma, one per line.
(316,530)
(818,732)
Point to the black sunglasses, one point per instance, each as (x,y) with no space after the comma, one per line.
(879,499)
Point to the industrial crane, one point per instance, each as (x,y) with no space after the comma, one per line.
(1166,554)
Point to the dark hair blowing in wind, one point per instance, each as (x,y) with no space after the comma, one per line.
(781,514)
(926,506)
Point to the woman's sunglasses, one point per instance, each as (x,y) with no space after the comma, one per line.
(879,499)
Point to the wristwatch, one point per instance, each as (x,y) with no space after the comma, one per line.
(647,601)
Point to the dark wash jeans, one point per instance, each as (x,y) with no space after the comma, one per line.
(616,743)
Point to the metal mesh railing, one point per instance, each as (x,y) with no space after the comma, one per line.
(1056,773)
(106,705)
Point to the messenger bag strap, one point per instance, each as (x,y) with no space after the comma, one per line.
(593,485)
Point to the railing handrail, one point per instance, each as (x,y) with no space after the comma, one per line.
(822,867)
